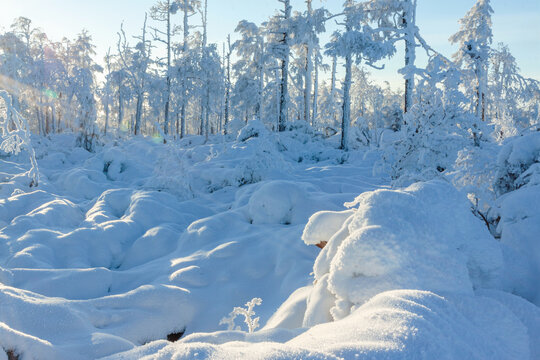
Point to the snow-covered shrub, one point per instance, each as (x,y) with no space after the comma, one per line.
(435,128)
(404,239)
(518,163)
(426,148)
(254,128)
(247,312)
(210,167)
(15,134)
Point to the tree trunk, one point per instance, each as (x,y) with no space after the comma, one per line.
(315,93)
(284,93)
(346,116)
(261,80)
(308,71)
(227,85)
(138,114)
(183,81)
(106,106)
(167,101)
(409,19)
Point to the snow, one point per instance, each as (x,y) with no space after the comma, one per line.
(119,248)
(392,325)
(519,229)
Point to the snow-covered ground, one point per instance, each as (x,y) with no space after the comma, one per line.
(117,250)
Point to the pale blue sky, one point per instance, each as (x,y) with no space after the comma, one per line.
(515,22)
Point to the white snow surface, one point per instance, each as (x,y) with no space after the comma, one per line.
(119,248)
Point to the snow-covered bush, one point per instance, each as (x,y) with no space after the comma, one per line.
(254,128)
(405,239)
(518,163)
(210,167)
(15,135)
(435,128)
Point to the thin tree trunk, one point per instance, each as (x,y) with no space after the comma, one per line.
(167,102)
(308,71)
(183,82)
(315,93)
(409,19)
(227,84)
(120,109)
(284,94)
(346,116)
(261,80)
(107,111)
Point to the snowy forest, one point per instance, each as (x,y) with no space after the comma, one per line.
(266,197)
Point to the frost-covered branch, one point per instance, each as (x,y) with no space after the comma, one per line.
(247,313)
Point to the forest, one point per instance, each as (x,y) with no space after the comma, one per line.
(146,196)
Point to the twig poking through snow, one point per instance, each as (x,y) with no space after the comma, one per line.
(248,313)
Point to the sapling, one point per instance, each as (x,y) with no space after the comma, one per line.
(247,312)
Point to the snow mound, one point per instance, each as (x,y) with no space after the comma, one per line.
(89,329)
(402,239)
(281,202)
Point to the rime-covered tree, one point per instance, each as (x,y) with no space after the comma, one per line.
(396,21)
(136,61)
(283,53)
(183,63)
(162,12)
(511,95)
(249,68)
(83,87)
(356,43)
(306,28)
(474,39)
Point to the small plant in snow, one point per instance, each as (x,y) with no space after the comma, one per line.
(247,312)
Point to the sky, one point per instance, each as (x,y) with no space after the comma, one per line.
(515,22)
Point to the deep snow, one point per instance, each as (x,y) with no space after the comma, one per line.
(119,248)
